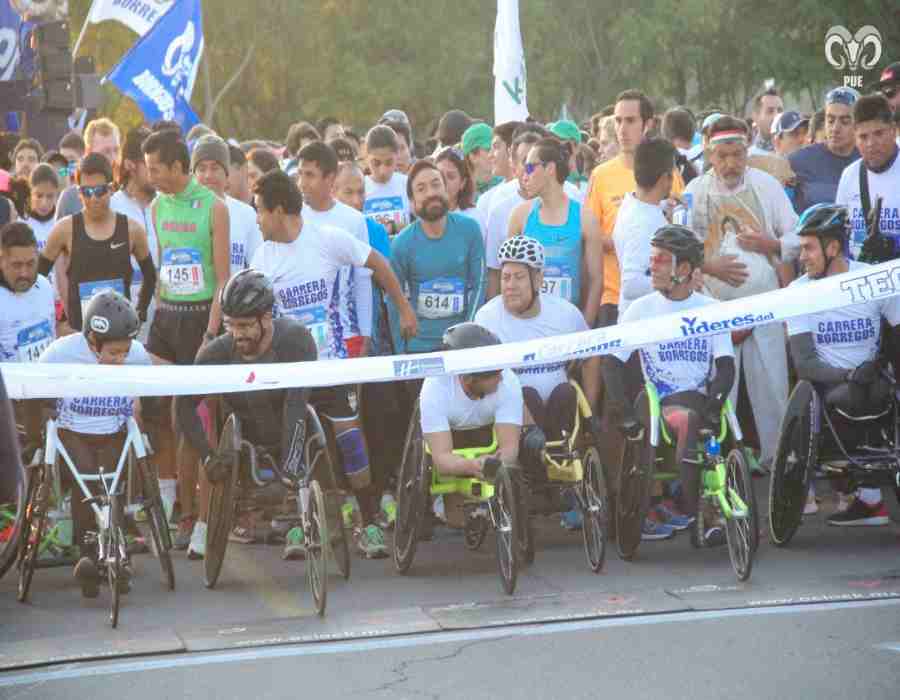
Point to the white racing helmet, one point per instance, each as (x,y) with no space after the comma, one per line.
(522,249)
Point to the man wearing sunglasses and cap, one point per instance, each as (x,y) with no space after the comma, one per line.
(99,244)
(889,85)
(818,167)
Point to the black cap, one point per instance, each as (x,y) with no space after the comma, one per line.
(889,76)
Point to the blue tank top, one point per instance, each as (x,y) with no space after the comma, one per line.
(562,252)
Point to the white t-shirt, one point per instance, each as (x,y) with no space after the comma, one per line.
(355,282)
(41,229)
(27,322)
(446,407)
(846,337)
(244,231)
(677,365)
(304,274)
(498,225)
(93,415)
(557,317)
(885,185)
(388,203)
(636,224)
(476,214)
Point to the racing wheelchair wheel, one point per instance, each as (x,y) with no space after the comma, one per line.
(794,456)
(115,546)
(222,504)
(161,538)
(32,528)
(9,552)
(321,464)
(594,501)
(635,478)
(317,547)
(742,533)
(508,522)
(412,495)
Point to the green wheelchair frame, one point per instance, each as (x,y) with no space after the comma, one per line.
(419,481)
(725,484)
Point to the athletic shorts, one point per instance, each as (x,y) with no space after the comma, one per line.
(177,331)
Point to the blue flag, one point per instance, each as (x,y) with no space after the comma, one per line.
(10,24)
(158,72)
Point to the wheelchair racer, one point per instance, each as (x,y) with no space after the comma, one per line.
(692,377)
(522,312)
(459,411)
(92,429)
(838,350)
(273,420)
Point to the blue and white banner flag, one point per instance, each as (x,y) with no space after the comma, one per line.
(137,15)
(158,72)
(10,25)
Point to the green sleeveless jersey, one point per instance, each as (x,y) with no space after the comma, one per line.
(184,229)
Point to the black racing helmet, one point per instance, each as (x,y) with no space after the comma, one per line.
(247,294)
(463,336)
(681,242)
(110,316)
(825,221)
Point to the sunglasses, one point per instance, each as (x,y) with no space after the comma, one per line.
(95,191)
(842,96)
(890,92)
(531,167)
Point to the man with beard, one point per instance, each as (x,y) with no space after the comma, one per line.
(746,221)
(439,259)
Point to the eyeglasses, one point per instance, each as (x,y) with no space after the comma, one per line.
(95,191)
(842,96)
(531,167)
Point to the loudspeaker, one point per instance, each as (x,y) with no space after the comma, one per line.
(87,92)
(52,36)
(55,95)
(54,65)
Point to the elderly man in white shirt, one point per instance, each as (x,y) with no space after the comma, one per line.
(747,224)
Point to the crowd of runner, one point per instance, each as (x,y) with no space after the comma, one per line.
(384,243)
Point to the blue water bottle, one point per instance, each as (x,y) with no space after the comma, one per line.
(712,446)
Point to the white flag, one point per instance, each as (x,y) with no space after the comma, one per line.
(509,65)
(138,15)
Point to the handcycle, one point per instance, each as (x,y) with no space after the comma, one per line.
(725,484)
(859,442)
(574,473)
(419,481)
(318,499)
(108,507)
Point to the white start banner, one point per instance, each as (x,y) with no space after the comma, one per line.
(137,15)
(29,381)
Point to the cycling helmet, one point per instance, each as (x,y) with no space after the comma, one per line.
(824,220)
(248,293)
(522,249)
(110,316)
(681,242)
(463,336)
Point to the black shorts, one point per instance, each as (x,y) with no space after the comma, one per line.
(335,402)
(608,315)
(177,331)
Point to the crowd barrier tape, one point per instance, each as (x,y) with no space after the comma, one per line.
(37,380)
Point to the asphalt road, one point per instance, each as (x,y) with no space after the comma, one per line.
(818,619)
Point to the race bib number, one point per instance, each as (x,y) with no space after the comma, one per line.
(558,282)
(88,290)
(441,298)
(387,211)
(32,341)
(316,321)
(182,272)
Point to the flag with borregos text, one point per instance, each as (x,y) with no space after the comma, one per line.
(137,15)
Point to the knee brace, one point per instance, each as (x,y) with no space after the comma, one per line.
(531,448)
(356,460)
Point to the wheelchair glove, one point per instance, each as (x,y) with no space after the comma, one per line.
(631,428)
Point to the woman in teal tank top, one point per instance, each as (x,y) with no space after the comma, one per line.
(562,251)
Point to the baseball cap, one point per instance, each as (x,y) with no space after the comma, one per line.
(452,125)
(787,122)
(842,96)
(889,76)
(566,130)
(477,136)
(394,115)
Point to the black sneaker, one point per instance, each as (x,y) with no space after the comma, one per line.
(87,574)
(860,514)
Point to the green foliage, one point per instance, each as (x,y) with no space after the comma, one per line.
(356,58)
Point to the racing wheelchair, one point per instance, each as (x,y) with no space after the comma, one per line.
(419,481)
(843,433)
(725,484)
(318,499)
(108,507)
(574,475)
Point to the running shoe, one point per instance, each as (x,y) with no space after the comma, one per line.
(653,530)
(197,546)
(667,514)
(294,545)
(371,543)
(811,507)
(571,520)
(860,514)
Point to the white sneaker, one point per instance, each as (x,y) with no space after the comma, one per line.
(197,547)
(811,507)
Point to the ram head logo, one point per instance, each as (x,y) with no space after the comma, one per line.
(853,52)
